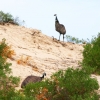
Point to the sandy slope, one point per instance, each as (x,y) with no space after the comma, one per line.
(37,53)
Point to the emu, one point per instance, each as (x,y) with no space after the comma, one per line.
(59,27)
(32,79)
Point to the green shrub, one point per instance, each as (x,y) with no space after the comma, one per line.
(8,18)
(77,83)
(75,40)
(91,54)
(65,85)
(5,17)
(7,82)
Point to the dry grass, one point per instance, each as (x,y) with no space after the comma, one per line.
(6,51)
(23,60)
(42,95)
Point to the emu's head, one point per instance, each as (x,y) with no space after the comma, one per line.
(44,74)
(55,14)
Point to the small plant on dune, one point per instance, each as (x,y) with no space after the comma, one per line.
(91,54)
(75,40)
(8,18)
(65,85)
(23,60)
(5,50)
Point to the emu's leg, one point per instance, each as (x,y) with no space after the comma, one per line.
(59,37)
(63,37)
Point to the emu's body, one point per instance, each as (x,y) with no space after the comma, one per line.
(32,79)
(59,27)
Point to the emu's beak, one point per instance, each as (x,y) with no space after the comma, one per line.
(55,14)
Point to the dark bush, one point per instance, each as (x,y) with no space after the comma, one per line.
(91,54)
(8,82)
(77,83)
(65,85)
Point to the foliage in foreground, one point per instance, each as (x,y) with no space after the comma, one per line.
(8,18)
(65,85)
(91,54)
(8,82)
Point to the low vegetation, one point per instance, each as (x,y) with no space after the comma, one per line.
(75,40)
(65,85)
(8,18)
(5,50)
(7,82)
(23,60)
(91,54)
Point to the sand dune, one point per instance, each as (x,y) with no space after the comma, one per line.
(37,53)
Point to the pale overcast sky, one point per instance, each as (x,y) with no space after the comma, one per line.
(80,17)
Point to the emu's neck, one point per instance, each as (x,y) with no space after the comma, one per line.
(42,76)
(56,20)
